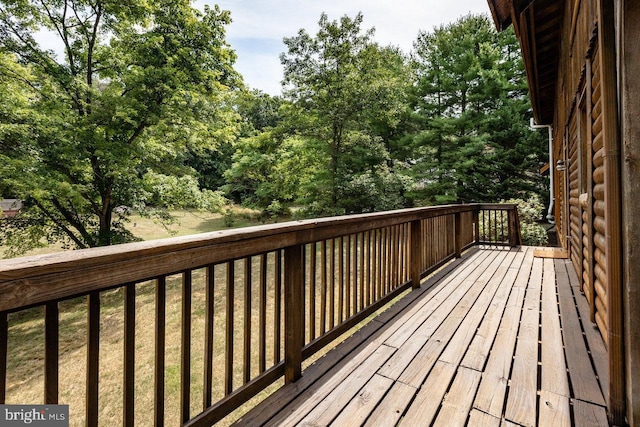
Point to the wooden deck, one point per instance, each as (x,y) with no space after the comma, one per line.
(499,338)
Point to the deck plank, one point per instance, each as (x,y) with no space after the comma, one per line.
(554,410)
(455,348)
(336,358)
(522,398)
(328,399)
(583,379)
(458,345)
(554,370)
(596,345)
(365,402)
(493,387)
(457,404)
(478,351)
(482,419)
(418,367)
(424,407)
(336,398)
(391,408)
(586,414)
(499,341)
(435,305)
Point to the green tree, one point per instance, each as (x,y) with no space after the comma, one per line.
(470,96)
(130,77)
(271,168)
(346,94)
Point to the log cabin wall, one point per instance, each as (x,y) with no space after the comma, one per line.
(571,53)
(629,66)
(578,144)
(587,144)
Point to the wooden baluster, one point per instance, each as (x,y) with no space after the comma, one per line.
(376,265)
(51,355)
(304,278)
(457,233)
(347,305)
(313,259)
(341,309)
(294,312)
(228,365)
(277,318)
(416,253)
(185,348)
(4,335)
(323,301)
(161,302)
(354,273)
(247,321)
(208,336)
(262,358)
(332,284)
(129,354)
(93,358)
(362,271)
(476,223)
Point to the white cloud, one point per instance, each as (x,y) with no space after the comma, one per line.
(397,23)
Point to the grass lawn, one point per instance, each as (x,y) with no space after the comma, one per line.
(186,222)
(25,361)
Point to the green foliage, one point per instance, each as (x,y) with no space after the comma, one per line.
(172,192)
(229,218)
(347,96)
(137,83)
(144,110)
(470,95)
(530,211)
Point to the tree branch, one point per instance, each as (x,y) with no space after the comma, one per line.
(74,222)
(64,228)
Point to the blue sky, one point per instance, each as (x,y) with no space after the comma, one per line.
(259,26)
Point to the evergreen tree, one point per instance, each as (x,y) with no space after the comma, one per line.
(470,97)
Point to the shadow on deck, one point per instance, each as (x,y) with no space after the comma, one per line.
(497,338)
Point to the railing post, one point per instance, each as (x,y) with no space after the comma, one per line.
(293,313)
(457,234)
(416,253)
(476,224)
(514,228)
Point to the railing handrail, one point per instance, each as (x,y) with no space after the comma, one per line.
(28,281)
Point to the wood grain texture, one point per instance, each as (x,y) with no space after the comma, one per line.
(457,404)
(554,410)
(365,402)
(521,402)
(554,370)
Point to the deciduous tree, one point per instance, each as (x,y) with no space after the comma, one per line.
(124,74)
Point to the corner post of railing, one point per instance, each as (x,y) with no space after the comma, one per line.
(476,224)
(293,313)
(416,253)
(457,234)
(515,238)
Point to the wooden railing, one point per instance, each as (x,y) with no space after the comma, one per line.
(235,310)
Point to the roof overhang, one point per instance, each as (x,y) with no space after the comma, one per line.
(537,24)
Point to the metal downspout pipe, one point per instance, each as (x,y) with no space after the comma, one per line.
(550,217)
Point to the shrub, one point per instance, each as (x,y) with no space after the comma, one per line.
(530,212)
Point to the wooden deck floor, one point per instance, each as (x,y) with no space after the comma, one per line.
(499,339)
